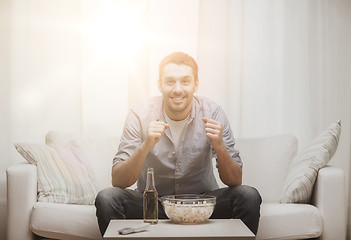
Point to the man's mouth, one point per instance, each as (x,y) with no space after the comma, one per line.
(177,99)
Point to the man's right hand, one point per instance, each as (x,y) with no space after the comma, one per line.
(126,173)
(155,131)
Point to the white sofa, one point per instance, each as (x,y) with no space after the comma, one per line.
(266,162)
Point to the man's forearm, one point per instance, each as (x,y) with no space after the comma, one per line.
(230,171)
(126,173)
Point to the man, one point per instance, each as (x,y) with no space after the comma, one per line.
(177,134)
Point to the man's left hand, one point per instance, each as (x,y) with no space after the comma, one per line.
(213,131)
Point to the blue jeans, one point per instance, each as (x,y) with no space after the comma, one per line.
(242,202)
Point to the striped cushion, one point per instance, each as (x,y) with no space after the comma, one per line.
(304,168)
(64,174)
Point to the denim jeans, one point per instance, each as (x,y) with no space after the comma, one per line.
(241,202)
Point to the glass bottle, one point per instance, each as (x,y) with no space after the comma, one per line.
(150,199)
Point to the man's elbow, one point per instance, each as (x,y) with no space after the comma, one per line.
(120,184)
(233,183)
(117,179)
(238,182)
(115,183)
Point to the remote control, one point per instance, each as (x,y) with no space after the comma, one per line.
(135,229)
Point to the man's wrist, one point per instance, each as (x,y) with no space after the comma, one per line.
(143,147)
(219,146)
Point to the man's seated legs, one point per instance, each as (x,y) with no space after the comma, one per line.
(239,202)
(117,203)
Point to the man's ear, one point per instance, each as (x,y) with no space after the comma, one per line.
(159,85)
(196,84)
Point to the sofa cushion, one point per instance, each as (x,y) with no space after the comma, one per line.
(99,149)
(304,167)
(64,221)
(289,221)
(265,163)
(64,173)
(278,221)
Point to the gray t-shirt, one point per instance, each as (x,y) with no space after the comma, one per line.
(189,170)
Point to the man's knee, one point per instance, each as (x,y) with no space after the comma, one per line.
(107,196)
(246,194)
(252,193)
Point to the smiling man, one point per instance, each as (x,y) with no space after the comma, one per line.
(178,134)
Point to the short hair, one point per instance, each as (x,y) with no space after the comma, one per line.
(179,58)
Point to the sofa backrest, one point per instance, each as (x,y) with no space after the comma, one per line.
(266,160)
(265,163)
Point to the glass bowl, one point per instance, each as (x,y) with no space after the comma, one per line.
(188,208)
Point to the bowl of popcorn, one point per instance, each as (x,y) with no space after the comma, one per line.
(188,208)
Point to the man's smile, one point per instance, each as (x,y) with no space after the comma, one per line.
(177,99)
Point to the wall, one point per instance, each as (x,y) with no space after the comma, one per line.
(5,40)
(40,76)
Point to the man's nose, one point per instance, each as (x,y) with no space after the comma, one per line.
(177,87)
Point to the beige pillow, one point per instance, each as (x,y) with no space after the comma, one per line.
(99,149)
(304,168)
(64,174)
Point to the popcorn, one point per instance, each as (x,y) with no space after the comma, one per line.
(188,213)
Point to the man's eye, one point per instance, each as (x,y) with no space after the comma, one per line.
(169,82)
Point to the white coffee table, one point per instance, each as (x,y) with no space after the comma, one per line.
(165,229)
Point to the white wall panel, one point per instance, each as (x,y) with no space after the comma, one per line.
(105,60)
(45,69)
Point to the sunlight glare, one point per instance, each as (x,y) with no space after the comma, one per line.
(119,30)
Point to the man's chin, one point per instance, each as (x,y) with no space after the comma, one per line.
(177,108)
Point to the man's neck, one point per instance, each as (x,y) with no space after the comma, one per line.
(178,116)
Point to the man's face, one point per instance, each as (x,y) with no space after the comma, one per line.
(177,85)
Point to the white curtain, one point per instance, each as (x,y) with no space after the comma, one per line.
(275,66)
(280,67)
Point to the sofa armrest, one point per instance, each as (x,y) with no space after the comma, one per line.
(21,196)
(329,198)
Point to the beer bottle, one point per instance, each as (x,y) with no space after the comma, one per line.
(150,199)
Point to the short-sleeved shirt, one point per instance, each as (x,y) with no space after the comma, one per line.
(187,170)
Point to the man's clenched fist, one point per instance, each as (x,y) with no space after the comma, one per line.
(155,131)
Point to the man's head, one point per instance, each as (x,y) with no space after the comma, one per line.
(178,82)
(179,58)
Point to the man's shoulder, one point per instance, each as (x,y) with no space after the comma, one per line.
(210,109)
(152,105)
(206,104)
(204,100)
